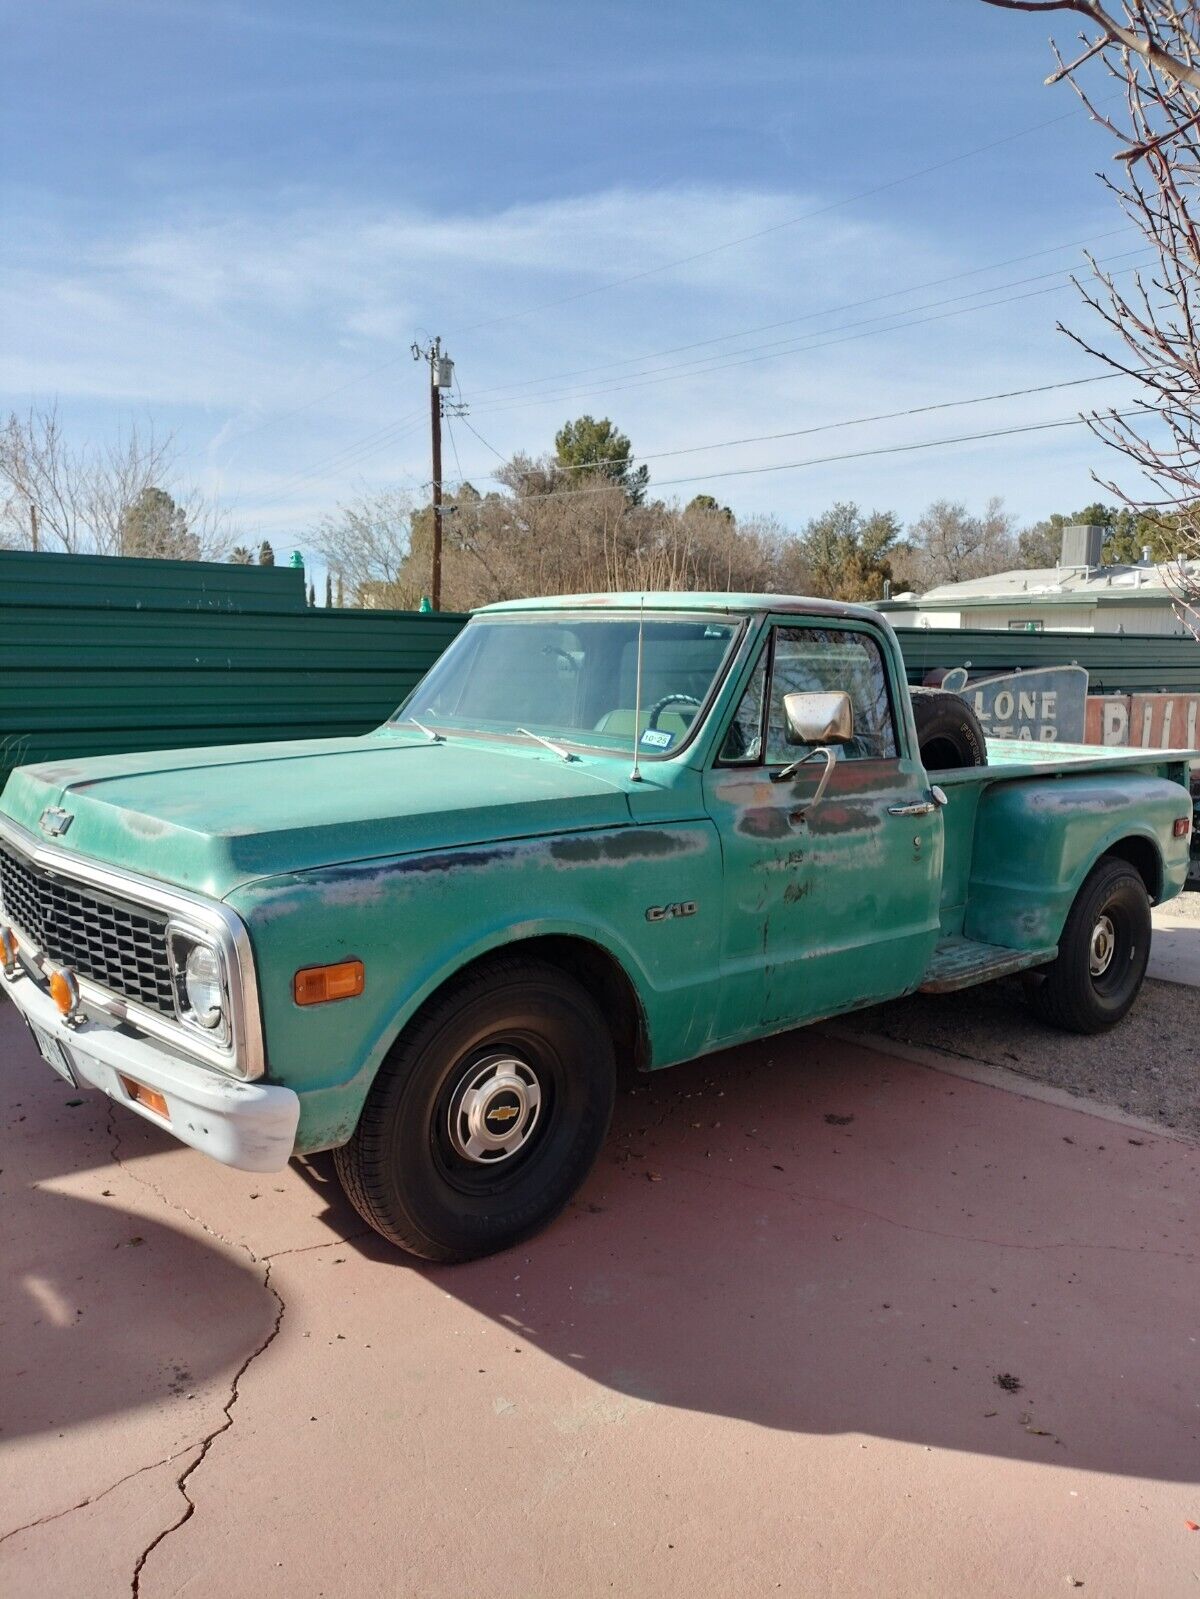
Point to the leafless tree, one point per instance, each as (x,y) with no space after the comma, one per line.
(1151,49)
(55,496)
(948,544)
(368,542)
(545,532)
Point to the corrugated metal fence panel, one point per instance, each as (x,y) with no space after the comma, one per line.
(111,582)
(91,670)
(102,654)
(1116,663)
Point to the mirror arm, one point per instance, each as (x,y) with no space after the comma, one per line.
(829,754)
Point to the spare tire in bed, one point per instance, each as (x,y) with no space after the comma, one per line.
(948,731)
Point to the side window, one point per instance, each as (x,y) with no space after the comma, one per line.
(743,742)
(820,659)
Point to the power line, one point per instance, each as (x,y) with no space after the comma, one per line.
(454,447)
(365,448)
(820,427)
(362,449)
(484,442)
(506,389)
(773,351)
(350,455)
(666,266)
(775,227)
(826,460)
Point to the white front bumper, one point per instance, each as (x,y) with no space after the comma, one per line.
(248,1125)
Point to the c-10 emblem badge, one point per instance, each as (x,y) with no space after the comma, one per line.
(662,913)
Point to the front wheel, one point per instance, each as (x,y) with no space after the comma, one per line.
(1102,954)
(486,1116)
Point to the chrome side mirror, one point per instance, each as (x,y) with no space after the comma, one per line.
(819,718)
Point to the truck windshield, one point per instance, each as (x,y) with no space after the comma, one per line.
(574,678)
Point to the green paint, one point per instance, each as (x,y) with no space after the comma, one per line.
(422,857)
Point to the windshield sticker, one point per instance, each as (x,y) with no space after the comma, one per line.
(657,738)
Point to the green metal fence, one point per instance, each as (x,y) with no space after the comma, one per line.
(1117,663)
(102,655)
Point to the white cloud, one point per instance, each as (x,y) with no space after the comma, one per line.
(227,323)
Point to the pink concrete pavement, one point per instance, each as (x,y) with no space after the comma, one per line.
(757,1356)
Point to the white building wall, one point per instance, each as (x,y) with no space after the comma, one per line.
(1156,618)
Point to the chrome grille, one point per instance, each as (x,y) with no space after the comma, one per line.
(121,947)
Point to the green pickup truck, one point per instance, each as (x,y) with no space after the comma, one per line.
(601,828)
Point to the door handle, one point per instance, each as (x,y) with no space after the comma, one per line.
(937,798)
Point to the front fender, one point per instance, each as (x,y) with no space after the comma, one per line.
(1036,841)
(416,921)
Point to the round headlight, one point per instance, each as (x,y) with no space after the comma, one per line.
(202,980)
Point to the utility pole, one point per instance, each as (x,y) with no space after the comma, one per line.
(441,376)
(33,526)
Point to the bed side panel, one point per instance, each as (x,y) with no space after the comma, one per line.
(1037,839)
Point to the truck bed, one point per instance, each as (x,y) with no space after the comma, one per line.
(1004,861)
(1010,758)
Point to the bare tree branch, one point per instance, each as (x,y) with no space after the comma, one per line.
(1144,44)
(1150,326)
(82,500)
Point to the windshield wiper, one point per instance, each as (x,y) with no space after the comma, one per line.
(434,738)
(549,743)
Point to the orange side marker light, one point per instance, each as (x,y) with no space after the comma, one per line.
(318,985)
(141,1095)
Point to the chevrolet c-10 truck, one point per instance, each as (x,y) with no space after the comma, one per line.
(636,827)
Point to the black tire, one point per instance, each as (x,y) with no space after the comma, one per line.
(420,1167)
(1072,995)
(948,731)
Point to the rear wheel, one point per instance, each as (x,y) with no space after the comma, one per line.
(1102,954)
(486,1115)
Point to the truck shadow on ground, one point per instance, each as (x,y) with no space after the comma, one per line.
(103,1310)
(807,1235)
(106,1313)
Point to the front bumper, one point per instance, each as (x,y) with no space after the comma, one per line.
(248,1125)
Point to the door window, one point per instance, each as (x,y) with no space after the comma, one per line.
(814,660)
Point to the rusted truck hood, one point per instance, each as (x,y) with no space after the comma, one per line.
(211,819)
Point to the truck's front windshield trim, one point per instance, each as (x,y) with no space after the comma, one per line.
(683,717)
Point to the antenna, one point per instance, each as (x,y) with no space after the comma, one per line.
(635,776)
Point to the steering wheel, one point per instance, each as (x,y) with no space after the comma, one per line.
(669,699)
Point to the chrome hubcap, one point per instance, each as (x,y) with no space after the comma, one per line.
(494,1110)
(1104,946)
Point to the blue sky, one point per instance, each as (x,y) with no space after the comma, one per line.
(233,219)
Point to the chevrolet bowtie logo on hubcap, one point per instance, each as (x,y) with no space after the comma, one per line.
(502,1113)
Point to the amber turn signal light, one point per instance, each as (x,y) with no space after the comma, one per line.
(317,985)
(1183,826)
(8,948)
(141,1095)
(64,991)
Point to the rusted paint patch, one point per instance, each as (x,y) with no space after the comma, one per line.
(763,822)
(625,844)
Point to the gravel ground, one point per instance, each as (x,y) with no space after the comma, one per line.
(1149,1065)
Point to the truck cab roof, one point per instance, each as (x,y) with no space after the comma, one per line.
(681,600)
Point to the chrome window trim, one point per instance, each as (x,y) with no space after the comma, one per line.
(244,1058)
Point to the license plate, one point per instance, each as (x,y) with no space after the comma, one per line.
(54,1054)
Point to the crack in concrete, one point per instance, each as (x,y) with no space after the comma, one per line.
(203,1445)
(56,1515)
(210,1438)
(308,1249)
(226,1422)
